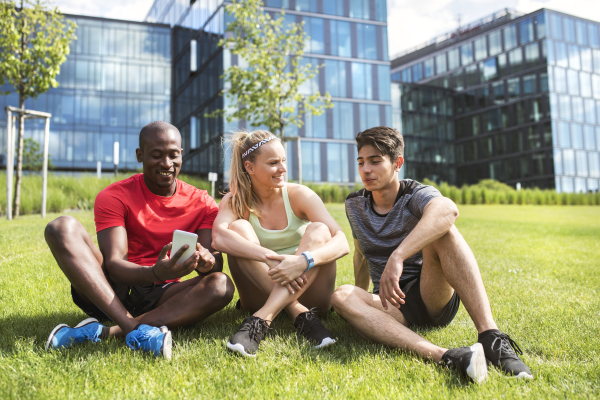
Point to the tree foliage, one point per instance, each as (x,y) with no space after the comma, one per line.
(264,88)
(32,156)
(34,42)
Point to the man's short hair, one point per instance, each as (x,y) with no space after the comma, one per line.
(156,126)
(387,140)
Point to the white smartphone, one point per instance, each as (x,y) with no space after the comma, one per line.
(179,239)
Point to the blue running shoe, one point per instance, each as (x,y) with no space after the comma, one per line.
(64,336)
(149,338)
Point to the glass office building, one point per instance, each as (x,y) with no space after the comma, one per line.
(347,37)
(116,79)
(525,92)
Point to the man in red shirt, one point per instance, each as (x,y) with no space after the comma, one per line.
(130,279)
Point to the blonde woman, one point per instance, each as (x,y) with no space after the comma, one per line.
(281,244)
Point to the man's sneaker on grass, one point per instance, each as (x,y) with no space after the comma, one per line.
(248,338)
(470,361)
(157,341)
(64,336)
(309,325)
(500,352)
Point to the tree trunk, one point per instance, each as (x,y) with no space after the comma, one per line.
(17,201)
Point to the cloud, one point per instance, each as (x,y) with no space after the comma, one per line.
(132,10)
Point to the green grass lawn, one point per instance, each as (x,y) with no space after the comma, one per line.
(540,266)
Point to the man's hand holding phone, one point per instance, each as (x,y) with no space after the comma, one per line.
(168,268)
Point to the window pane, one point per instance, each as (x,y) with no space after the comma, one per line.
(317,41)
(454,60)
(467,53)
(489,69)
(569,162)
(574,61)
(515,59)
(596,86)
(562,58)
(529,84)
(565,107)
(589,139)
(417,72)
(513,88)
(383,75)
(594,164)
(576,136)
(556,26)
(581,33)
(405,75)
(526,27)
(480,49)
(560,80)
(358,81)
(510,37)
(596,60)
(593,35)
(573,81)
(495,43)
(586,59)
(586,84)
(428,67)
(577,109)
(582,167)
(440,63)
(569,26)
(541,26)
(558,162)
(532,54)
(342,33)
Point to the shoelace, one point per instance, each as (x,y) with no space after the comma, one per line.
(138,339)
(507,345)
(257,328)
(310,318)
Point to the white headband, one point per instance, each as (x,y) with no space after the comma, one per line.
(257,145)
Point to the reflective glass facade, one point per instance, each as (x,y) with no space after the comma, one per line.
(347,38)
(525,91)
(116,79)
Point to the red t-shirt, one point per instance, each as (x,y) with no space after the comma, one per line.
(150,219)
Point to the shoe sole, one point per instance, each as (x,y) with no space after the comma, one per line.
(167,347)
(477,369)
(60,326)
(524,375)
(238,348)
(326,342)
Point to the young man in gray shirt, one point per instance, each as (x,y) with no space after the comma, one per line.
(419,263)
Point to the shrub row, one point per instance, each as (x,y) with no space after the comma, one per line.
(489,191)
(67,192)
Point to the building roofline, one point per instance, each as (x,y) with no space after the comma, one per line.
(126,21)
(440,42)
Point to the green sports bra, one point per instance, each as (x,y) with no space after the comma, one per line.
(284,241)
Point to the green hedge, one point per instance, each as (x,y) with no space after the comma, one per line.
(67,192)
(489,191)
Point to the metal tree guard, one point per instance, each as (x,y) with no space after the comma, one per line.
(10,153)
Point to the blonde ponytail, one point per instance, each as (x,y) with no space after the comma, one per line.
(243,198)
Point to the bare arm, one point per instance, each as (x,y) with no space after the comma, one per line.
(113,245)
(438,217)
(230,242)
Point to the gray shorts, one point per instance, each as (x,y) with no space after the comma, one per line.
(415,311)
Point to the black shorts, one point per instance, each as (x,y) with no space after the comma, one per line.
(415,311)
(137,299)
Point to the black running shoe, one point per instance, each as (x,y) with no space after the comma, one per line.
(470,361)
(248,338)
(500,352)
(309,325)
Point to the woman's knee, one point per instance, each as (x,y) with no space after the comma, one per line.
(244,229)
(318,232)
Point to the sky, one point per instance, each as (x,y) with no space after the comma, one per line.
(410,22)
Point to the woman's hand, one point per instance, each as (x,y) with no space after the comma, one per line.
(289,271)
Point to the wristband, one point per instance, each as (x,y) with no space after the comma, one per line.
(309,259)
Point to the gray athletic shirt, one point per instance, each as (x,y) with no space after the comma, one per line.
(379,235)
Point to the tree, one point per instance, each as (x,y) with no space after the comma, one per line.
(265,90)
(34,42)
(32,156)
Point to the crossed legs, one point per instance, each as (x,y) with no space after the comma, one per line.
(82,263)
(448,265)
(266,298)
